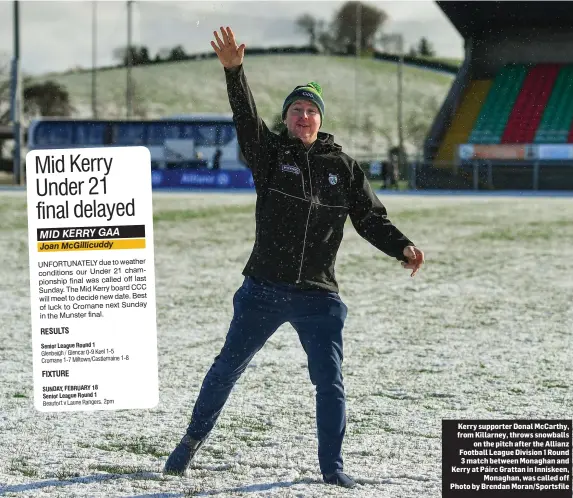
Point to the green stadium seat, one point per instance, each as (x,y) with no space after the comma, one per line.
(558,115)
(491,122)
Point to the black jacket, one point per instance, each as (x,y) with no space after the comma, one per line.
(303,200)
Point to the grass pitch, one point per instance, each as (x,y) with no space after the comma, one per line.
(482,332)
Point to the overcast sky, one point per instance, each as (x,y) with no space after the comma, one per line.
(55,36)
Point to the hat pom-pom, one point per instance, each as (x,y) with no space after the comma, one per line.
(316,86)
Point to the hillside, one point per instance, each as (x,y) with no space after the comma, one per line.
(199,86)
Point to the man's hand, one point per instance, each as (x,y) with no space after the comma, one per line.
(229,54)
(415,259)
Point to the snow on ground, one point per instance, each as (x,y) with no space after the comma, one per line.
(484,331)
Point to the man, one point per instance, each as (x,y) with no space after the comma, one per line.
(393,168)
(306,188)
(217,159)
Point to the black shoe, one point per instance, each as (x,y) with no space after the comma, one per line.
(339,479)
(182,455)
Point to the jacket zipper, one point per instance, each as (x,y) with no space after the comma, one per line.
(302,180)
(309,211)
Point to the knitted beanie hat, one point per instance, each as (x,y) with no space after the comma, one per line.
(311,91)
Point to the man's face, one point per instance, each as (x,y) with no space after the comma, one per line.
(303,121)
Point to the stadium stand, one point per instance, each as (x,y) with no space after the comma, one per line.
(464,119)
(555,126)
(510,107)
(497,107)
(530,104)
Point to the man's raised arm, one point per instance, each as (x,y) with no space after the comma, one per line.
(252,132)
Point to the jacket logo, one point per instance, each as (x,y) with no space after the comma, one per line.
(333,179)
(290,169)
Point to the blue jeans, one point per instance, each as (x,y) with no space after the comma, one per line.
(260,308)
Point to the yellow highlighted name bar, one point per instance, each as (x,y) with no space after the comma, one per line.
(91,245)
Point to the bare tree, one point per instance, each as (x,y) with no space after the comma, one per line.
(326,39)
(309,25)
(346,21)
(177,53)
(425,48)
(139,55)
(46,99)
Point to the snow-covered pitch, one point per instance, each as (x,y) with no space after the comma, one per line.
(482,332)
